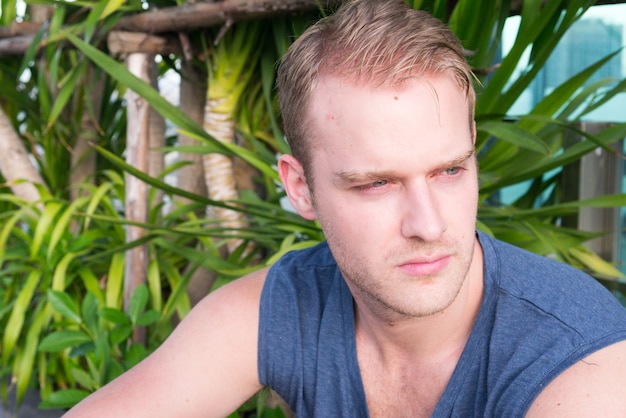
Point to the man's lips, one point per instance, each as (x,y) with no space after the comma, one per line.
(425,266)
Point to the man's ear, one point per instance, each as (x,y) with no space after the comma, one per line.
(474,132)
(292,175)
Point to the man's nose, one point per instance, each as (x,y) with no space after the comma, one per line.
(422,218)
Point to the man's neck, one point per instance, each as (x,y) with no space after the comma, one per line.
(430,337)
(407,364)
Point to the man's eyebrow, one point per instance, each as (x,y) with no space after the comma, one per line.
(460,160)
(345,178)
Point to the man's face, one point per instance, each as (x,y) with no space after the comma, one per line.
(394,186)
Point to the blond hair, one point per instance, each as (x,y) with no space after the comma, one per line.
(378,42)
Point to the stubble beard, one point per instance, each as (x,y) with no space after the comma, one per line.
(394,303)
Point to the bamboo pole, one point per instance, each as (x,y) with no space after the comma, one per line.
(137,145)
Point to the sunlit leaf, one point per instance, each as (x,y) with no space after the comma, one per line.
(65,305)
(24,368)
(23,302)
(514,134)
(138,302)
(115,281)
(65,398)
(44,226)
(595,263)
(61,340)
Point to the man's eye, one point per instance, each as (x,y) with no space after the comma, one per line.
(373,185)
(452,171)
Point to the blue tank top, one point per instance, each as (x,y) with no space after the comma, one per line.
(537,318)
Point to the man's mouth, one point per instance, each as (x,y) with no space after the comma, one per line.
(425,266)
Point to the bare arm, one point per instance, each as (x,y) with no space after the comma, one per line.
(593,387)
(207,367)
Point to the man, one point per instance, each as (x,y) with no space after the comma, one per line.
(406,310)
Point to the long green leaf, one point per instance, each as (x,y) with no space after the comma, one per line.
(178,301)
(68,89)
(569,155)
(122,75)
(8,12)
(115,281)
(44,226)
(24,368)
(7,228)
(154,283)
(91,283)
(162,106)
(515,135)
(59,278)
(559,96)
(183,193)
(14,325)
(95,199)
(62,225)
(594,262)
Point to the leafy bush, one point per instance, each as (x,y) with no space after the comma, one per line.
(64,325)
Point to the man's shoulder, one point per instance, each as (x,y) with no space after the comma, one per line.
(531,276)
(539,317)
(306,314)
(591,387)
(512,257)
(308,274)
(541,298)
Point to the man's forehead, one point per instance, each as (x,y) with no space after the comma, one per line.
(333,89)
(336,116)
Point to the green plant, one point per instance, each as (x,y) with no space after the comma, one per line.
(516,149)
(94,341)
(54,254)
(61,260)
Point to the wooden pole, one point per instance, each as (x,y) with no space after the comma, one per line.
(137,144)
